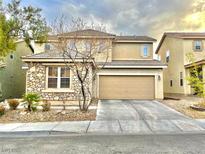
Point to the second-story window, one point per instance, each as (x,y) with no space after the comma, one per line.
(145,51)
(101,46)
(197,45)
(71,46)
(167,56)
(87,47)
(47,47)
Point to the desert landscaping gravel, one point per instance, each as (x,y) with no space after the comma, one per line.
(53,115)
(183,105)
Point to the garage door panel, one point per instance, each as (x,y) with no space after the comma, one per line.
(126,87)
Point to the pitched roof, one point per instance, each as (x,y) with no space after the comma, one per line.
(136,38)
(87,32)
(50,55)
(99,34)
(135,63)
(181,35)
(185,34)
(196,63)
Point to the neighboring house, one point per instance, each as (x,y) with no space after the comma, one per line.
(130,73)
(172,50)
(12,77)
(2,65)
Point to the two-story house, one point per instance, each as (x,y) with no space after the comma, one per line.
(130,71)
(173,50)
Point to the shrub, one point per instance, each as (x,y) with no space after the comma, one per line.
(13,104)
(94,100)
(46,106)
(31,100)
(2,110)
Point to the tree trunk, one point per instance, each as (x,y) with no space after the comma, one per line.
(29,107)
(84,97)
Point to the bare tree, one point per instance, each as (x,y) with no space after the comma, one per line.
(88,55)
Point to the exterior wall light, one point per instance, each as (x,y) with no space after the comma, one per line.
(159,78)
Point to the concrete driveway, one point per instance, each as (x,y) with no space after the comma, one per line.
(132,116)
(136,110)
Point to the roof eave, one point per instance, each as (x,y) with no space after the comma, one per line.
(84,37)
(200,62)
(27,60)
(139,66)
(160,43)
(193,37)
(138,41)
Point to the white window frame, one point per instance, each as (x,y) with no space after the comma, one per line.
(47,47)
(58,77)
(147,47)
(71,45)
(195,45)
(167,56)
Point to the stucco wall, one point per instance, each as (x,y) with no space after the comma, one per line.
(188,48)
(12,77)
(99,56)
(175,65)
(37,81)
(179,48)
(159,94)
(130,51)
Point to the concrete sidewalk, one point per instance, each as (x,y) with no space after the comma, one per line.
(108,127)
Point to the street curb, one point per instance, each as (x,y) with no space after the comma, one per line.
(63,133)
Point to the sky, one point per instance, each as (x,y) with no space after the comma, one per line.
(129,17)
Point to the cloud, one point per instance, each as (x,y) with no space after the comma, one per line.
(133,17)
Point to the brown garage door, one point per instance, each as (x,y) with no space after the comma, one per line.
(126,87)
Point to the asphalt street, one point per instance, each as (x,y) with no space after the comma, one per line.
(105,144)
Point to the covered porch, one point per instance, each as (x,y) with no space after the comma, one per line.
(200,66)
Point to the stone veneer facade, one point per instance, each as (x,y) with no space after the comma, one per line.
(36,83)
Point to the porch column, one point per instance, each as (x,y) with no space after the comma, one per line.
(187,87)
(203,74)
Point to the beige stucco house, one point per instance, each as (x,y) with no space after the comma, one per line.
(173,50)
(130,71)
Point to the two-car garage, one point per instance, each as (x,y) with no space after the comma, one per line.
(138,80)
(126,87)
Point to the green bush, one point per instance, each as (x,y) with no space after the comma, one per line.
(2,110)
(46,106)
(31,100)
(13,104)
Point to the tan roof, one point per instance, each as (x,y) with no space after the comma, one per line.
(199,62)
(99,34)
(135,63)
(136,38)
(50,55)
(181,35)
(87,32)
(185,34)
